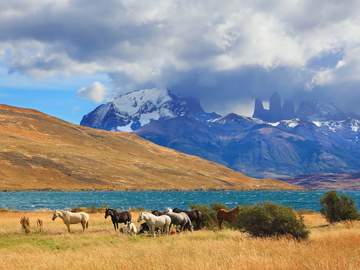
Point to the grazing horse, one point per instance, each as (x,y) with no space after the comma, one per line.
(117,217)
(181,219)
(223,214)
(72,218)
(155,222)
(194,215)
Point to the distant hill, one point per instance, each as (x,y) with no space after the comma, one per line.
(38,151)
(326,181)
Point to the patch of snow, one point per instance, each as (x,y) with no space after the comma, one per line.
(274,124)
(317,123)
(147,117)
(126,128)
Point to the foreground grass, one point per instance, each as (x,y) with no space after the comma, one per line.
(329,247)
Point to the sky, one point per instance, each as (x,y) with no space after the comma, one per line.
(65,58)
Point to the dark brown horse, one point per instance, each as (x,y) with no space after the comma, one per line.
(117,217)
(194,215)
(158,213)
(223,214)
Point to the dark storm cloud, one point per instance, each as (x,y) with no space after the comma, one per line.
(225,53)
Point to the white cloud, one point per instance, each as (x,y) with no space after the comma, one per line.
(154,43)
(95,92)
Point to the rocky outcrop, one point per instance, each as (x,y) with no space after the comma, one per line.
(287,110)
(259,111)
(319,111)
(275,108)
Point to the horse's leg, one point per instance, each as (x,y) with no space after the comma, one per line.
(219,223)
(114,223)
(83,225)
(166,228)
(68,225)
(153,230)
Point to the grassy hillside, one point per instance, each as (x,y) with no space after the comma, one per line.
(38,151)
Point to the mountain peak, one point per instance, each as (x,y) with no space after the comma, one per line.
(133,110)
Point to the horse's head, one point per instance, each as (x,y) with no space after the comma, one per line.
(176,210)
(141,216)
(55,214)
(107,212)
(168,209)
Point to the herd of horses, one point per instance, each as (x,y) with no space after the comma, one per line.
(154,221)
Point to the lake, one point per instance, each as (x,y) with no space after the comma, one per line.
(150,200)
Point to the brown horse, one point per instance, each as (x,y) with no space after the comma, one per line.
(158,213)
(223,214)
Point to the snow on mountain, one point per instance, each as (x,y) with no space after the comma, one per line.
(135,109)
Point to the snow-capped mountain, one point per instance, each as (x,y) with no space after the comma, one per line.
(262,149)
(135,109)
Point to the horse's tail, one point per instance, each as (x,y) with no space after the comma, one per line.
(198,218)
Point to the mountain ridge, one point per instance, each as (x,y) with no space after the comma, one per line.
(41,152)
(261,149)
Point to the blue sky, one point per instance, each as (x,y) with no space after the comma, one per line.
(65,58)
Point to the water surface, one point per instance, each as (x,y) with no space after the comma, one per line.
(150,200)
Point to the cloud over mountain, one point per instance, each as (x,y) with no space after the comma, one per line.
(224,53)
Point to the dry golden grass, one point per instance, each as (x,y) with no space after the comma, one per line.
(38,151)
(329,247)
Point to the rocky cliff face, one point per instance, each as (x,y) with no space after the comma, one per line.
(308,111)
(259,111)
(287,110)
(275,108)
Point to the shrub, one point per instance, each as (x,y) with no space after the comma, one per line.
(336,209)
(216,206)
(25,224)
(270,219)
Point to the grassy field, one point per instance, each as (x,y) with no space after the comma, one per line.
(329,247)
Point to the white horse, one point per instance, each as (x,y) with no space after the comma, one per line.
(72,218)
(155,222)
(131,228)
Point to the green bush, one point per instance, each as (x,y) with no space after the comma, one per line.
(270,219)
(336,209)
(208,217)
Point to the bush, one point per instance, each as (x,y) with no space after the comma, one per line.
(270,219)
(336,209)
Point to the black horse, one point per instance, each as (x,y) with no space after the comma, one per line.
(118,217)
(144,228)
(194,215)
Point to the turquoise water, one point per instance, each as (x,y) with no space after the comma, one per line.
(150,200)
